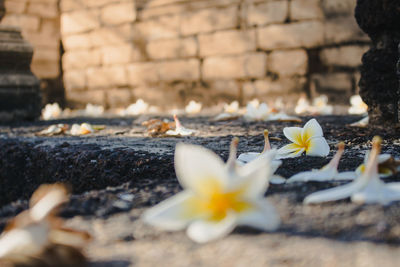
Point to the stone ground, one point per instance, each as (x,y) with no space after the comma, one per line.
(118,172)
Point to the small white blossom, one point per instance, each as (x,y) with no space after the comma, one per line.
(193,107)
(179,129)
(357,105)
(51,111)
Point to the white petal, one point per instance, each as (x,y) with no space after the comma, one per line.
(333,194)
(318,147)
(276,179)
(311,129)
(263,216)
(169,214)
(378,192)
(315,175)
(293,134)
(247,157)
(289,151)
(205,231)
(349,175)
(195,163)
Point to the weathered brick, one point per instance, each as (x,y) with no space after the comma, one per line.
(81,59)
(306,9)
(179,70)
(111,35)
(208,20)
(241,66)
(42,39)
(70,5)
(227,42)
(332,81)
(43,10)
(142,73)
(15,7)
(158,28)
(302,34)
(343,29)
(77,41)
(45,70)
(25,22)
(120,54)
(74,80)
(172,48)
(79,99)
(118,13)
(288,63)
(270,87)
(344,56)
(338,7)
(225,89)
(79,21)
(267,13)
(45,55)
(119,97)
(106,77)
(50,27)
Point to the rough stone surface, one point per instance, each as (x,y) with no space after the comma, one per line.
(305,9)
(287,63)
(379,84)
(345,56)
(172,48)
(267,13)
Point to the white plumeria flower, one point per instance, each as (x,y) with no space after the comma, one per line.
(281,116)
(250,156)
(232,107)
(259,113)
(51,111)
(179,129)
(386,165)
(93,110)
(193,107)
(361,123)
(366,188)
(320,105)
(327,173)
(216,196)
(302,106)
(84,128)
(357,105)
(309,139)
(139,107)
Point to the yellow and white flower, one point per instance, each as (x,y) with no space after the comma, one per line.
(327,173)
(366,188)
(193,107)
(216,196)
(84,128)
(51,111)
(387,165)
(357,105)
(179,129)
(256,111)
(309,139)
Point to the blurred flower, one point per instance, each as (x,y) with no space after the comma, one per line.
(327,173)
(309,139)
(36,237)
(93,110)
(250,156)
(320,106)
(179,129)
(54,130)
(157,127)
(216,196)
(84,128)
(140,107)
(361,123)
(302,106)
(231,112)
(51,111)
(366,188)
(387,165)
(193,107)
(232,107)
(357,105)
(255,112)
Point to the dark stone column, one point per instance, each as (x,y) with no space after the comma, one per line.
(379,85)
(19,88)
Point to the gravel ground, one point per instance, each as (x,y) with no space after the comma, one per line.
(118,172)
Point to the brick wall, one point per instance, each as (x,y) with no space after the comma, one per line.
(39,21)
(171,51)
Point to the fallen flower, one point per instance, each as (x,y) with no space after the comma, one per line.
(320,106)
(327,173)
(36,237)
(281,116)
(357,105)
(231,112)
(247,157)
(232,107)
(216,196)
(93,110)
(308,139)
(366,188)
(51,111)
(55,129)
(157,127)
(193,107)
(179,129)
(84,128)
(139,107)
(256,113)
(387,165)
(361,123)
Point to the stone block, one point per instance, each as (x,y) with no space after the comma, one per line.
(118,13)
(51,28)
(270,87)
(344,29)
(119,97)
(163,27)
(208,20)
(25,22)
(15,7)
(267,13)
(302,34)
(42,39)
(106,77)
(111,35)
(142,73)
(43,10)
(79,21)
(288,63)
(81,59)
(306,9)
(74,80)
(79,99)
(332,82)
(179,70)
(70,5)
(338,7)
(172,48)
(119,54)
(227,42)
(77,41)
(42,54)
(228,89)
(251,65)
(344,56)
(45,70)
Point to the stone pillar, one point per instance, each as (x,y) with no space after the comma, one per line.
(379,84)
(19,88)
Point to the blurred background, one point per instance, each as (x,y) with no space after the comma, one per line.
(168,52)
